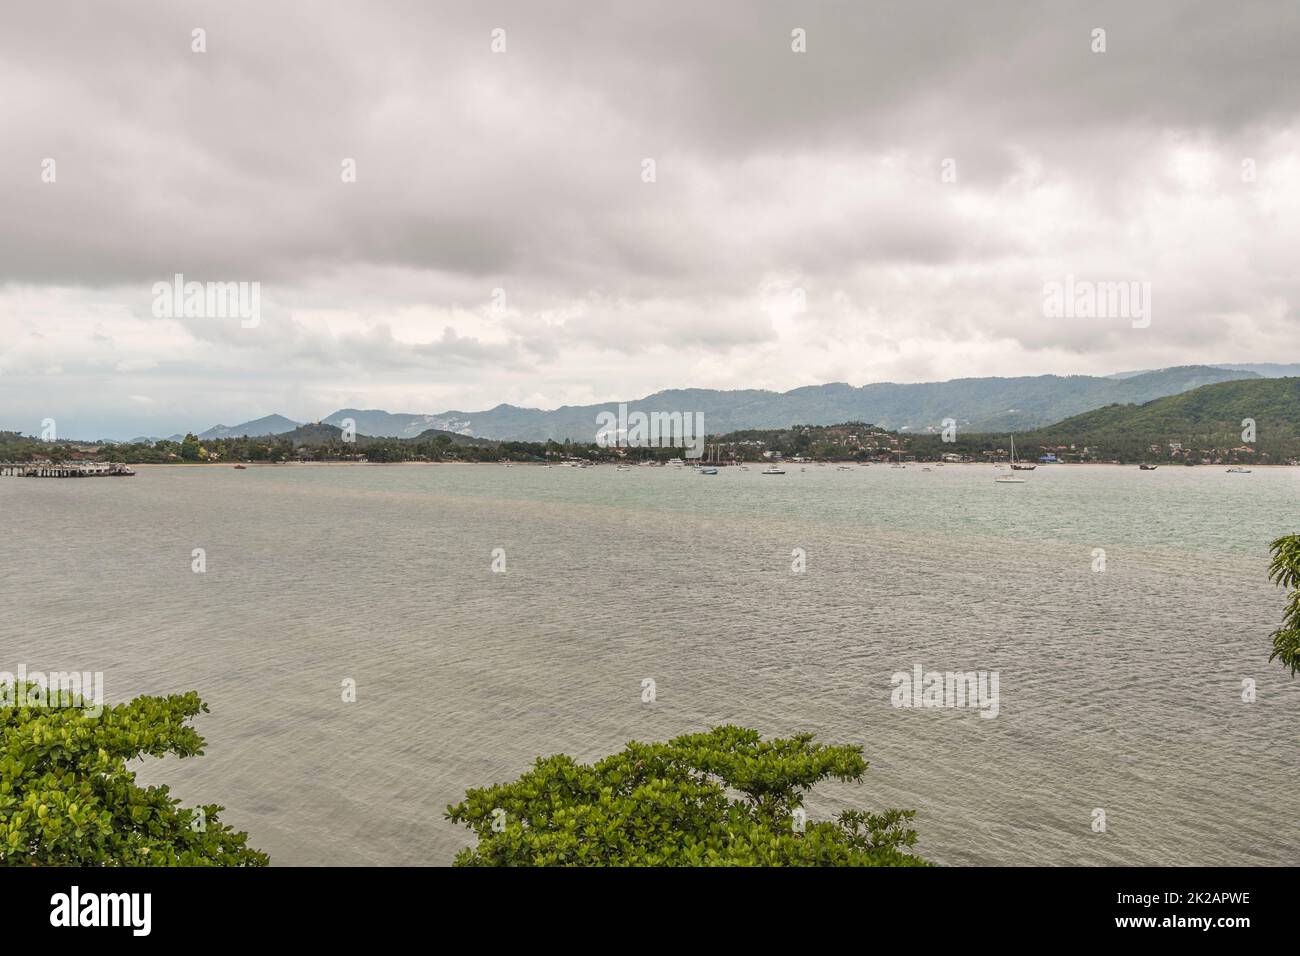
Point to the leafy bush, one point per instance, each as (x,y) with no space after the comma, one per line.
(1284,571)
(67,798)
(670,805)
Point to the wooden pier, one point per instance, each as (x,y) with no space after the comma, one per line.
(66,469)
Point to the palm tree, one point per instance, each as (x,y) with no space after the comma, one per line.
(1284,571)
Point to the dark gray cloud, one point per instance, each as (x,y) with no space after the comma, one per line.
(228,162)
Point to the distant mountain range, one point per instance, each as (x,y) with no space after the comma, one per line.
(382,424)
(1263,369)
(374,423)
(270,425)
(977,404)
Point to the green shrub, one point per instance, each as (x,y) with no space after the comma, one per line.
(672,805)
(67,798)
(1284,571)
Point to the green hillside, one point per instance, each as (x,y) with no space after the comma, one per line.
(1206,420)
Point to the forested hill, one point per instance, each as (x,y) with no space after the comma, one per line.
(1209,423)
(1209,416)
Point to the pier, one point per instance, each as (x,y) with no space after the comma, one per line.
(67,469)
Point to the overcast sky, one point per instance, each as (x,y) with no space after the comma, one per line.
(775,171)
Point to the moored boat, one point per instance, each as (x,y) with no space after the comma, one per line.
(1011,479)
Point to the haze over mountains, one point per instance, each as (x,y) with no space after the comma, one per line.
(978,404)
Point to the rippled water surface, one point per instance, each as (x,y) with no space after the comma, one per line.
(1119,690)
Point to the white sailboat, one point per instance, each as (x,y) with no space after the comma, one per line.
(710,469)
(1013,478)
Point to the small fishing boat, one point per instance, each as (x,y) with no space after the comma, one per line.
(241,468)
(1238,470)
(1145,467)
(771,470)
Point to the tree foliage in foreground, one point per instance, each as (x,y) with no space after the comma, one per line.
(68,799)
(1284,571)
(670,804)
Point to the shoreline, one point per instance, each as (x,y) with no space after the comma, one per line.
(539,464)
